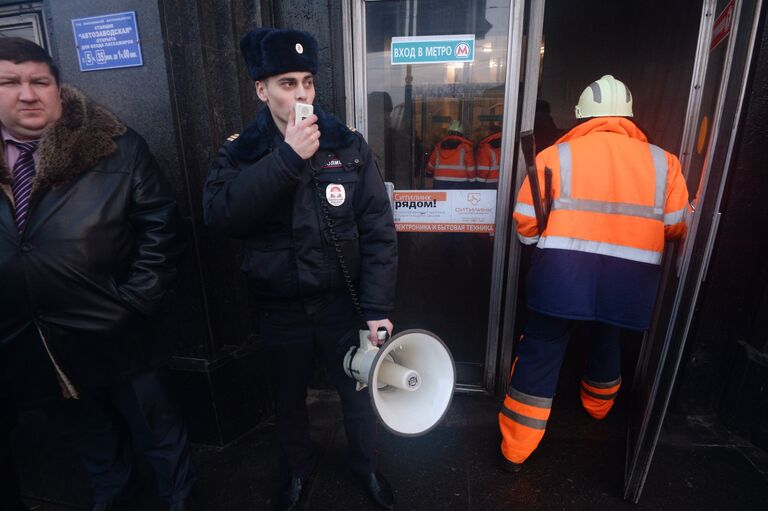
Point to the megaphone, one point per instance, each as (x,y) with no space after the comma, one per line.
(410,379)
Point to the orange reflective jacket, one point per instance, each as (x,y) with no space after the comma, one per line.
(489,158)
(615,199)
(613,193)
(452,160)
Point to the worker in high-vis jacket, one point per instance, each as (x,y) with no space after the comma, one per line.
(615,199)
(452,162)
(487,161)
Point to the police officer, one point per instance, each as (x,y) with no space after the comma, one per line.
(617,198)
(320,249)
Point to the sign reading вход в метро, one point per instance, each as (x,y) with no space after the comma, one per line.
(433,49)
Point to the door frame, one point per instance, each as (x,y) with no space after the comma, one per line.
(650,407)
(353,20)
(530,90)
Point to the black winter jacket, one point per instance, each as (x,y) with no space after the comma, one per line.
(98,250)
(255,194)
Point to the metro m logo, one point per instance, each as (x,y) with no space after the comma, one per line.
(461,50)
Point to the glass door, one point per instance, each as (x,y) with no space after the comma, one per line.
(431,97)
(687,71)
(726,40)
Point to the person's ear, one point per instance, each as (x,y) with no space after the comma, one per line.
(261,90)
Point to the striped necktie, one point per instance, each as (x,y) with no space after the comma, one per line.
(23,175)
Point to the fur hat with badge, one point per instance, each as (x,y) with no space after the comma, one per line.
(273,51)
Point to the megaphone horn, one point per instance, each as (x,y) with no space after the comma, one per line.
(410,379)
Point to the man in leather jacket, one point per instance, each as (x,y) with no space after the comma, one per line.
(320,248)
(88,248)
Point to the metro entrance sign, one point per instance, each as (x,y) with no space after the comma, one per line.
(107,42)
(433,49)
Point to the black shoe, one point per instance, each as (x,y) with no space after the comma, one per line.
(290,495)
(510,466)
(19,506)
(104,506)
(378,488)
(185,504)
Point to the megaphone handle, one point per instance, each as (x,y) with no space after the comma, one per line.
(350,357)
(382,333)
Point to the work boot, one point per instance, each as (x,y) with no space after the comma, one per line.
(510,466)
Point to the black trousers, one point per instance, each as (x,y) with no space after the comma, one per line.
(27,381)
(292,339)
(9,480)
(140,413)
(101,427)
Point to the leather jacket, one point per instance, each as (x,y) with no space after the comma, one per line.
(98,251)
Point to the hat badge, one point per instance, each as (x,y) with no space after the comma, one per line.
(299,48)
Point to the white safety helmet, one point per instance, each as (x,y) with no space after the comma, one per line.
(607,97)
(456,126)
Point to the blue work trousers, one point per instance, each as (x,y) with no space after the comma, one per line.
(542,348)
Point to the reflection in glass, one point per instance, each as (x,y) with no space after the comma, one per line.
(437,126)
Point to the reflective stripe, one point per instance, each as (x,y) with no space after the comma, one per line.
(525,240)
(604,397)
(660,168)
(463,167)
(525,209)
(564,155)
(600,385)
(613,208)
(522,419)
(487,173)
(674,217)
(597,247)
(451,167)
(565,202)
(447,178)
(527,399)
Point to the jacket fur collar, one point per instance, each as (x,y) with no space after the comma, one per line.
(258,138)
(83,135)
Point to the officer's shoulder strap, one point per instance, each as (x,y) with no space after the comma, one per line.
(233,137)
(351,128)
